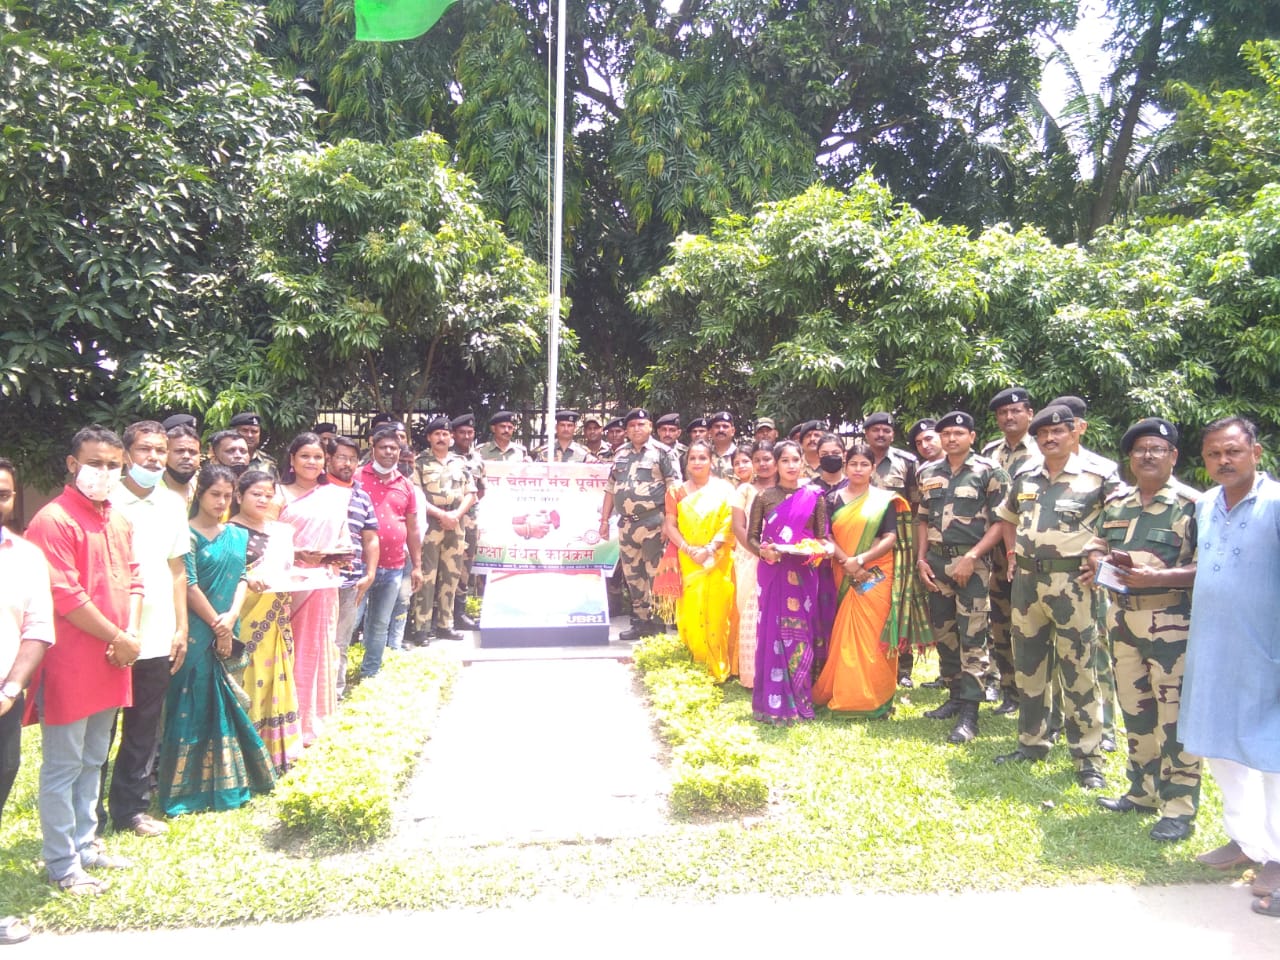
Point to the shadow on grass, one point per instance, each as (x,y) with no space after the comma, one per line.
(24,887)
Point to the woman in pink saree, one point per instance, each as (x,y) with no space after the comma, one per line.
(318,514)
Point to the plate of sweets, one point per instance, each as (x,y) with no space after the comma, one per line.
(807,547)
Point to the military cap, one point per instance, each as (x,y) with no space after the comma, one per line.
(1053,413)
(612,424)
(566,416)
(766,422)
(878,419)
(179,420)
(246,419)
(668,420)
(921,426)
(591,418)
(465,420)
(720,416)
(1077,406)
(697,422)
(1008,396)
(325,427)
(957,418)
(1149,427)
(502,416)
(636,413)
(436,423)
(811,425)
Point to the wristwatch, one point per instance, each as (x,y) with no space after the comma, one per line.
(11,690)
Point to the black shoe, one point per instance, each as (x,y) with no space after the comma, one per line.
(1120,805)
(1018,756)
(461,620)
(1090,780)
(417,638)
(966,727)
(1171,829)
(638,629)
(944,712)
(906,683)
(442,634)
(933,684)
(1007,706)
(1053,734)
(992,692)
(1108,745)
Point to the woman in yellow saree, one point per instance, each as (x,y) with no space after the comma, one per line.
(860,677)
(698,522)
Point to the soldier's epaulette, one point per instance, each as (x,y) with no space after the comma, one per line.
(1120,493)
(991,447)
(1030,465)
(986,461)
(1183,490)
(904,454)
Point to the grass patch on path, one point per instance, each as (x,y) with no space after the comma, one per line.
(855,807)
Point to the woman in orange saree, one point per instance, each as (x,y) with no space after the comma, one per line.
(860,676)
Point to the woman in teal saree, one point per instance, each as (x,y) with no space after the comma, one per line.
(211,758)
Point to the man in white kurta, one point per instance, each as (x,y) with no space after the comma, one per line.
(1230,711)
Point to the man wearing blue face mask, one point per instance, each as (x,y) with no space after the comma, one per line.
(85,676)
(161,539)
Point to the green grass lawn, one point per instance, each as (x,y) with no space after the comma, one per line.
(857,806)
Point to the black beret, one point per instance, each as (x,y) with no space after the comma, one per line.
(668,420)
(877,419)
(1008,396)
(919,427)
(380,418)
(1150,427)
(465,420)
(246,419)
(502,416)
(811,425)
(636,413)
(325,427)
(1053,413)
(436,423)
(957,418)
(566,416)
(179,420)
(698,422)
(720,416)
(591,418)
(614,424)
(1077,406)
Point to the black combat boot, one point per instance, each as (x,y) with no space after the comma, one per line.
(948,710)
(460,618)
(966,727)
(639,629)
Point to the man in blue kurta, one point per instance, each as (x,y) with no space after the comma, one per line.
(1231,693)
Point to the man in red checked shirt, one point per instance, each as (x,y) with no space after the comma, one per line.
(85,676)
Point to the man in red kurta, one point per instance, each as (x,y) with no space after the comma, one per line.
(84,679)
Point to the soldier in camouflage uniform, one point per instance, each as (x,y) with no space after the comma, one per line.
(249,426)
(502,427)
(810,435)
(615,434)
(637,491)
(1155,522)
(722,445)
(667,430)
(924,440)
(766,430)
(1013,411)
(1052,510)
(593,438)
(464,435)
(449,491)
(563,449)
(956,529)
(616,437)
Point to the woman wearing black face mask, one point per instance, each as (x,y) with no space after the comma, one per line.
(830,463)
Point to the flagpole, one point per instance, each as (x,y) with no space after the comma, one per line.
(557,223)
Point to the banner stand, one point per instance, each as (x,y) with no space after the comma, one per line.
(544,608)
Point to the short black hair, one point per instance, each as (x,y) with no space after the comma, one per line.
(95,433)
(142,428)
(182,430)
(1247,427)
(222,435)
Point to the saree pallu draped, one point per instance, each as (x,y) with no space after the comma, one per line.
(861,674)
(788,624)
(705,612)
(319,521)
(746,595)
(266,629)
(211,758)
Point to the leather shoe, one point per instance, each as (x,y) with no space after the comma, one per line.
(1007,706)
(145,825)
(906,683)
(1266,879)
(1171,829)
(966,726)
(1120,805)
(442,634)
(944,712)
(933,684)
(1090,780)
(1107,745)
(465,622)
(1018,756)
(638,630)
(1226,857)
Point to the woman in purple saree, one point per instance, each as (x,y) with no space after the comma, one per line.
(789,627)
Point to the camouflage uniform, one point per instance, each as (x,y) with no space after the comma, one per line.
(1148,630)
(1104,663)
(515,452)
(260,461)
(573,453)
(1012,460)
(603,455)
(896,472)
(722,464)
(444,483)
(1054,620)
(958,509)
(470,530)
(639,481)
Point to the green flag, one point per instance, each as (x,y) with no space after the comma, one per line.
(397,19)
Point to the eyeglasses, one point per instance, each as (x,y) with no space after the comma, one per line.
(1150,453)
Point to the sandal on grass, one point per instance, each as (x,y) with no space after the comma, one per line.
(13,930)
(80,884)
(1268,906)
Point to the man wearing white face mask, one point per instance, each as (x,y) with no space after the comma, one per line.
(85,676)
(161,539)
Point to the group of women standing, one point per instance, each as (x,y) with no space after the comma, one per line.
(790,584)
(259,679)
